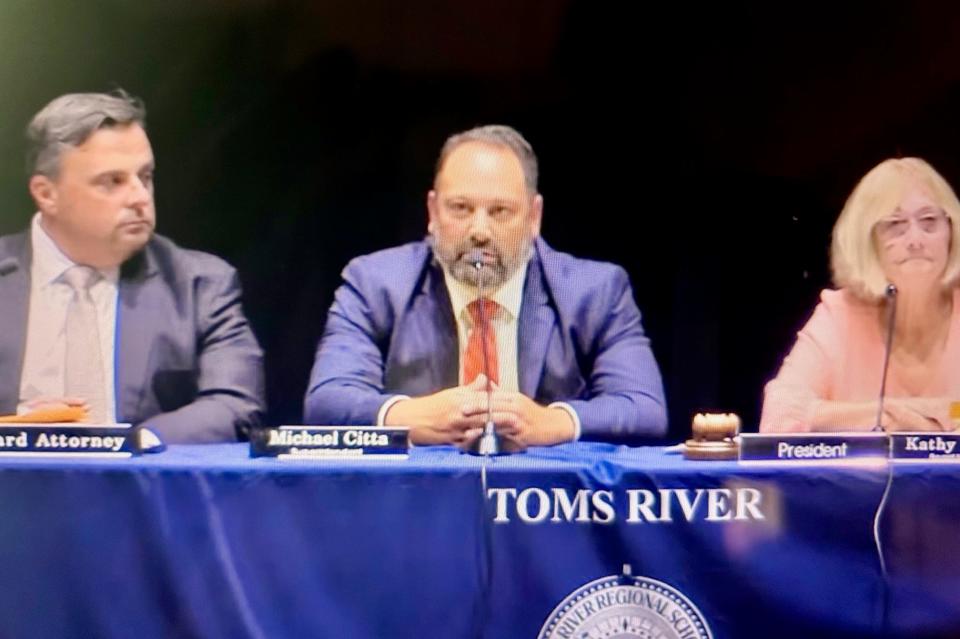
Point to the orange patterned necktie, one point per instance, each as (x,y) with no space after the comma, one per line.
(473,357)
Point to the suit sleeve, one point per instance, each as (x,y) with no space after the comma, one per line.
(230,385)
(347,382)
(625,390)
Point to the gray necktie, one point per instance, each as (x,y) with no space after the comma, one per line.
(83,372)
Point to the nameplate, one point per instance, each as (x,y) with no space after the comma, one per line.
(330,442)
(806,448)
(68,440)
(926,447)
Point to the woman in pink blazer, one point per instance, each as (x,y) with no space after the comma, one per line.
(900,226)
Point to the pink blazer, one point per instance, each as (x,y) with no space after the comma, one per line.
(839,356)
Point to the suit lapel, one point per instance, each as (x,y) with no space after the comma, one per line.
(436,312)
(15,293)
(537,321)
(423,353)
(135,324)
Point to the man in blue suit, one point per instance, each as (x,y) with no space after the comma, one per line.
(100,312)
(418,333)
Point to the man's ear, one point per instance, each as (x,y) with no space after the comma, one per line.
(44,194)
(536,215)
(431,209)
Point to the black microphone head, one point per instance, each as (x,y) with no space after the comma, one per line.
(475,257)
(891,291)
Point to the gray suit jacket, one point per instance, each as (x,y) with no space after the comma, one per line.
(187,365)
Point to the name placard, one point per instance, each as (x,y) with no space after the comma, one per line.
(68,440)
(330,442)
(817,449)
(926,447)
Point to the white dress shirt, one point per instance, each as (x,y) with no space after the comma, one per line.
(50,295)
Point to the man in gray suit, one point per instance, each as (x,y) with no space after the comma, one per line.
(98,311)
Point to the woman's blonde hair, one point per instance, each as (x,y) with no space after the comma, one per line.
(853,251)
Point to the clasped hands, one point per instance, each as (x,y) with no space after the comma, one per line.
(915,414)
(457,416)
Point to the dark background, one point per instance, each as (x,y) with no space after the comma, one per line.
(706,149)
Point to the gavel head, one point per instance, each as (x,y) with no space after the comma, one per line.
(715,427)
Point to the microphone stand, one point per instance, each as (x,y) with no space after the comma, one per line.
(489,442)
(891,295)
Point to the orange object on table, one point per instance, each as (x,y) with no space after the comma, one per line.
(51,415)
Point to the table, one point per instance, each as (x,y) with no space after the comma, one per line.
(202,541)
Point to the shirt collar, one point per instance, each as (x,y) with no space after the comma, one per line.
(49,262)
(509,296)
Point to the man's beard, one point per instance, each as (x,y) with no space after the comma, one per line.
(456,260)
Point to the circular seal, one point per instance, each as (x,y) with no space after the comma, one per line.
(622,607)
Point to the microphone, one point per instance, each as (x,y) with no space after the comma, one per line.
(489,442)
(475,257)
(891,294)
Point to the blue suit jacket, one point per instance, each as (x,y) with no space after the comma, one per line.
(391,330)
(187,365)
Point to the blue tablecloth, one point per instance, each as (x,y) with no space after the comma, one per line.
(202,541)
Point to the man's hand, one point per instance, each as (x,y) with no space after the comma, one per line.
(445,417)
(457,416)
(522,422)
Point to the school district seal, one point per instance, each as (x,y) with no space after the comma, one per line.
(623,607)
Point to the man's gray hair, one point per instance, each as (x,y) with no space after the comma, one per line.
(69,120)
(497,135)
